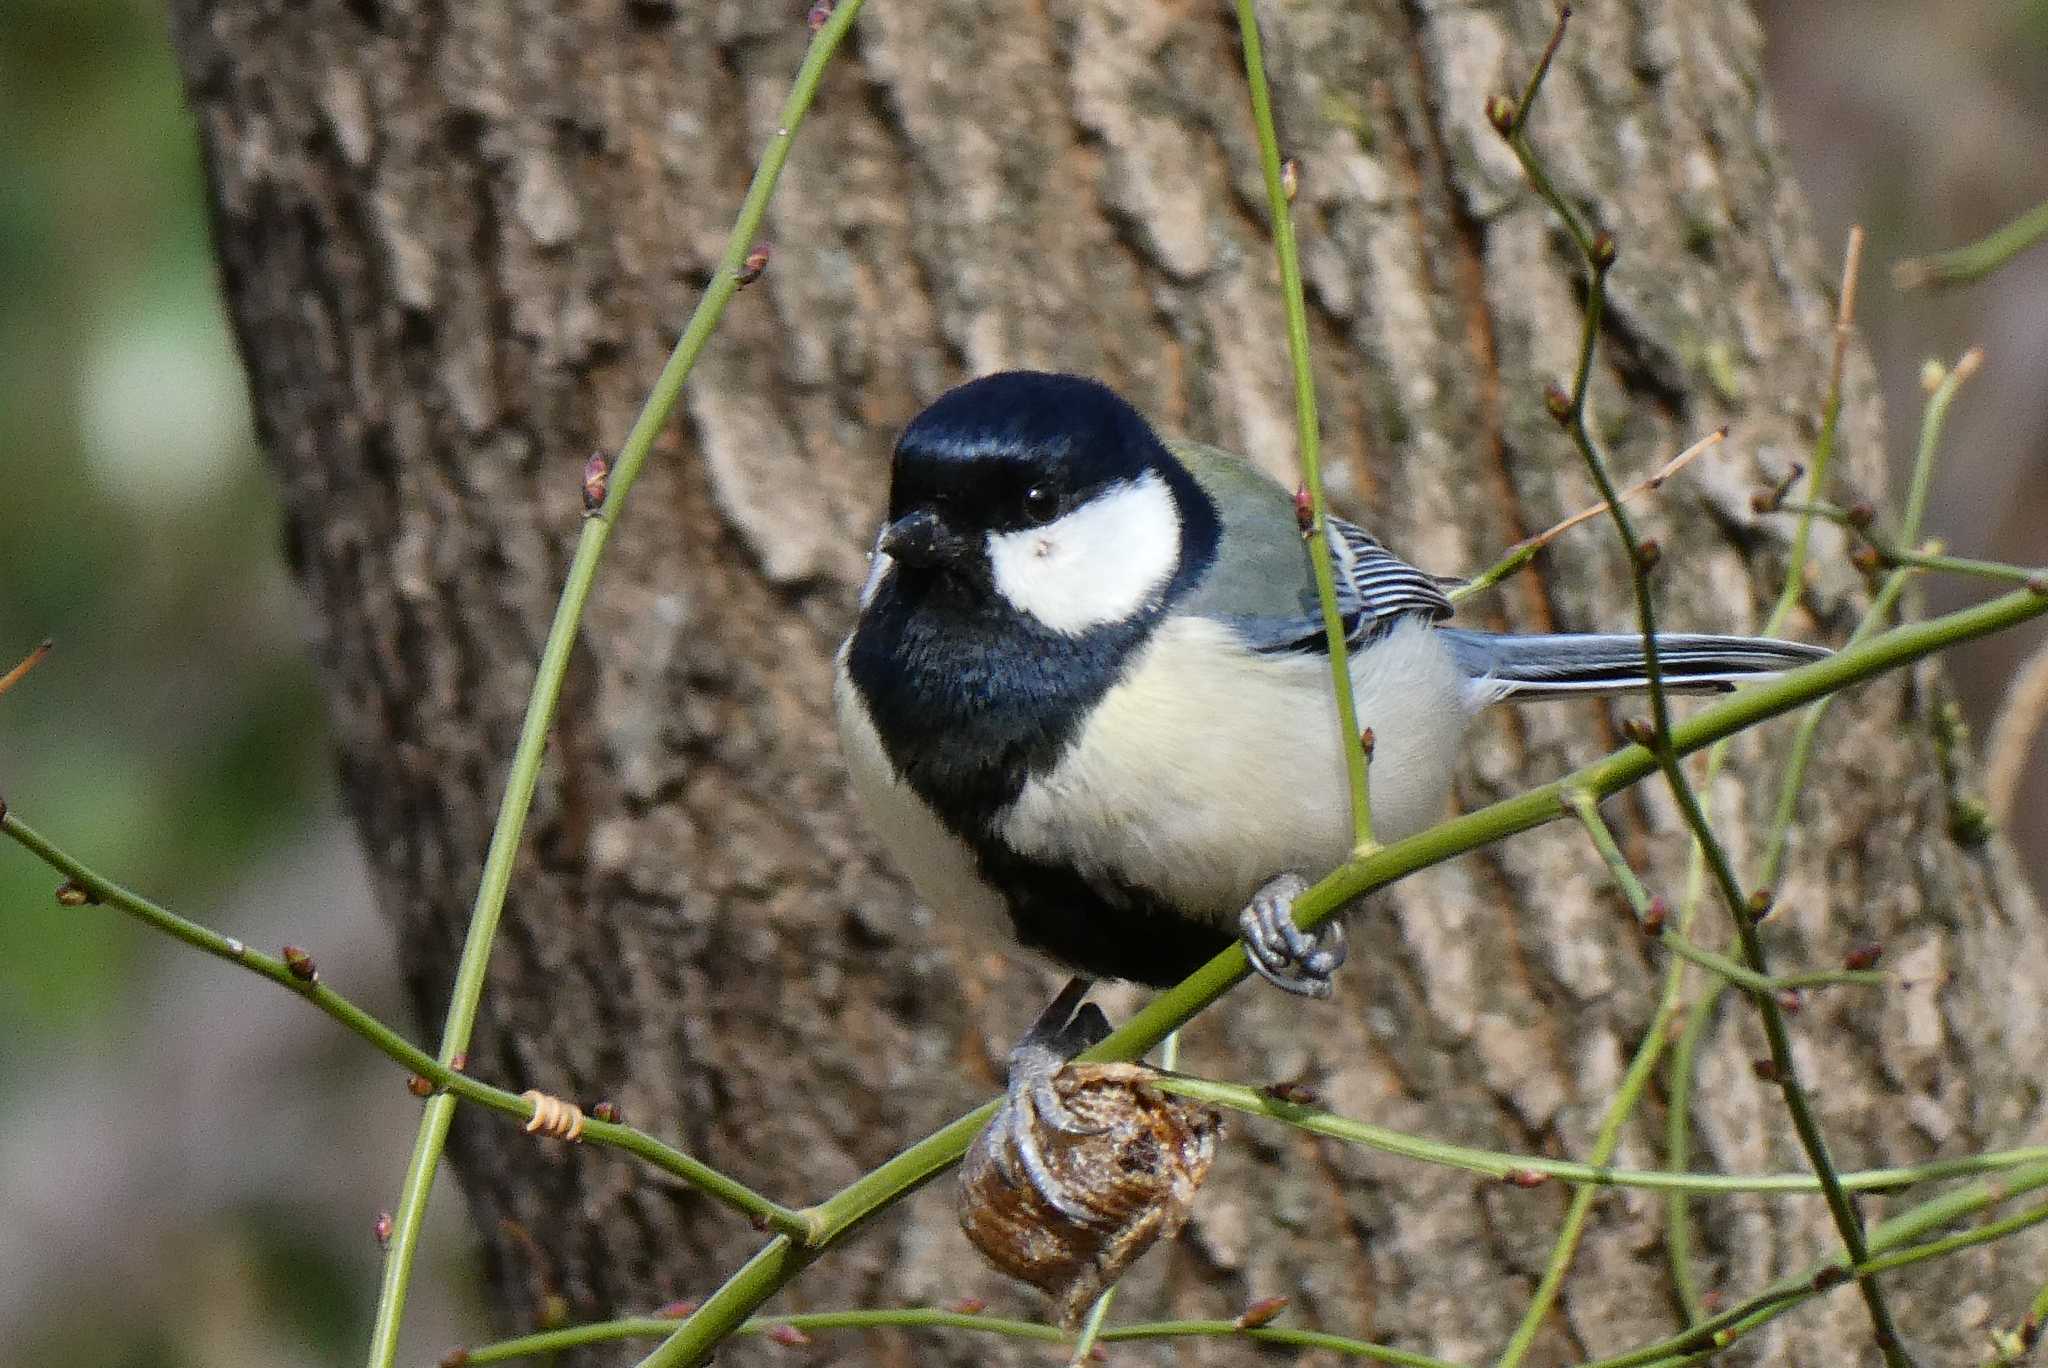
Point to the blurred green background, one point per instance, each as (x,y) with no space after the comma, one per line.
(173,1189)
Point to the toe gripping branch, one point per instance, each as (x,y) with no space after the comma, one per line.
(1301,962)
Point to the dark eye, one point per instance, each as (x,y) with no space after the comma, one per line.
(1041,503)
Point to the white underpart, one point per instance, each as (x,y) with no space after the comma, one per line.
(938,863)
(1099,564)
(1208,769)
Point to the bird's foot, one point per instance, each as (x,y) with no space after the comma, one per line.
(1284,955)
(1032,1106)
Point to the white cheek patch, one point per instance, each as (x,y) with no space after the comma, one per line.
(1099,564)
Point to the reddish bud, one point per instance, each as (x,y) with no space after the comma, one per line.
(606,1111)
(1866,559)
(1766,1069)
(1264,1311)
(1863,956)
(73,894)
(788,1335)
(1604,250)
(1789,1001)
(1366,742)
(2030,1331)
(676,1310)
(2037,585)
(301,965)
(1501,112)
(1761,901)
(1294,1091)
(1712,1300)
(1648,553)
(381,1228)
(1763,501)
(1304,510)
(750,269)
(1556,402)
(1833,1275)
(418,1086)
(1860,514)
(1639,730)
(1655,914)
(819,13)
(1290,178)
(967,1306)
(455,1358)
(460,1063)
(1524,1178)
(597,481)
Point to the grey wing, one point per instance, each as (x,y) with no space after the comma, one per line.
(1375,589)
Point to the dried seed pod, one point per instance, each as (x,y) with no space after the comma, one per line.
(1131,1165)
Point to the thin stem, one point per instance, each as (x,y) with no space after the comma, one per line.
(1932,421)
(1508,1167)
(1892,1240)
(2000,571)
(1308,430)
(1962,265)
(387,1041)
(547,683)
(1524,551)
(28,662)
(1678,1223)
(1678,1151)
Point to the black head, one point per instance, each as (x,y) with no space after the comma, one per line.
(1019,450)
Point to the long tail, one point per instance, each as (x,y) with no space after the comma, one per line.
(1530,667)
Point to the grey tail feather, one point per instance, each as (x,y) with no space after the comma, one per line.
(1590,665)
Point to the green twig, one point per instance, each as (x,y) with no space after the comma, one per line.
(1962,265)
(554,663)
(387,1041)
(1678,1135)
(1356,759)
(1526,1168)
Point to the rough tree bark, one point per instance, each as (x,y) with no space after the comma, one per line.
(457,240)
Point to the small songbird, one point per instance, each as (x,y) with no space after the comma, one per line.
(1088,702)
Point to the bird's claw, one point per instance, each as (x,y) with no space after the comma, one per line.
(1301,962)
(1033,1104)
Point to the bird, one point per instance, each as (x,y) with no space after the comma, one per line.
(1086,702)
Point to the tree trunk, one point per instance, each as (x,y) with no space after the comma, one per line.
(458,240)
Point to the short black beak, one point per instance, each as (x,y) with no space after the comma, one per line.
(922,540)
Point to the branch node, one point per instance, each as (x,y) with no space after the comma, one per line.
(607,1111)
(419,1085)
(1262,1312)
(756,262)
(1524,1178)
(597,480)
(381,1229)
(1290,178)
(1603,252)
(1767,1070)
(72,893)
(301,965)
(1502,114)
(1863,956)
(1557,402)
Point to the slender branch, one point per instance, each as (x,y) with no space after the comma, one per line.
(306,984)
(1891,1242)
(2012,733)
(28,662)
(1678,1134)
(1519,1168)
(554,662)
(1356,760)
(1524,551)
(1962,265)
